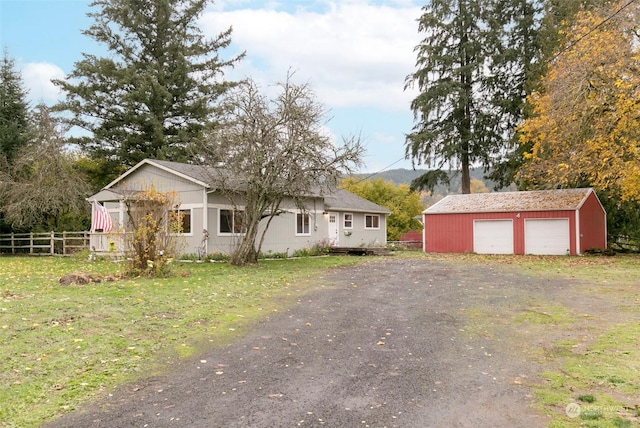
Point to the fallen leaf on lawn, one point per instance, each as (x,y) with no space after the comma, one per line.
(381,343)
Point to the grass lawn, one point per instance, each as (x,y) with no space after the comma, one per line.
(62,345)
(587,339)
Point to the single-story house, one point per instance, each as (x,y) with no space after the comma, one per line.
(555,222)
(339,218)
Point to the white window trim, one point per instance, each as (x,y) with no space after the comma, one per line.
(295,218)
(365,221)
(344,221)
(190,221)
(234,210)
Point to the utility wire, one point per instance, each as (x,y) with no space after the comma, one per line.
(379,171)
(565,49)
(594,29)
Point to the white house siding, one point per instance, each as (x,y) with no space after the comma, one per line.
(359,236)
(189,196)
(148,176)
(281,236)
(194,194)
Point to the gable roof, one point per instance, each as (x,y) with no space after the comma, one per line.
(341,200)
(195,173)
(536,200)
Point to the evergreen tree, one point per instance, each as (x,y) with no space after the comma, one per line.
(471,71)
(154,94)
(557,19)
(13,110)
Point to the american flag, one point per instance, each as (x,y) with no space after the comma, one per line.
(100,218)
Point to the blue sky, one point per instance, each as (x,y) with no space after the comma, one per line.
(355,54)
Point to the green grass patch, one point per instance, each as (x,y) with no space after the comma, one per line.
(608,370)
(600,355)
(545,315)
(587,398)
(62,345)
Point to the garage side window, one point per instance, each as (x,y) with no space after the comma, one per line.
(371,221)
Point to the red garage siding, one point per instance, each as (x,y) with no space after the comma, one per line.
(453,233)
(448,225)
(593,231)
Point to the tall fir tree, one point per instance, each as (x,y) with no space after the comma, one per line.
(471,70)
(155,93)
(556,19)
(14,109)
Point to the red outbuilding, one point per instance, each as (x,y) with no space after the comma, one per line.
(566,221)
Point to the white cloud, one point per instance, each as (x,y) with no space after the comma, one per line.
(37,79)
(354,53)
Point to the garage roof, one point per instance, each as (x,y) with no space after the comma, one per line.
(537,200)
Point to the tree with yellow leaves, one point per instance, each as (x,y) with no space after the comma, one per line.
(586,124)
(405,205)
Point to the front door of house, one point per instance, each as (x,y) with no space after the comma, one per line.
(333,228)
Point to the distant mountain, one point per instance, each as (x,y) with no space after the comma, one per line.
(406,176)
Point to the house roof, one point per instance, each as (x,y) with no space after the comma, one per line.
(202,175)
(196,173)
(537,200)
(341,200)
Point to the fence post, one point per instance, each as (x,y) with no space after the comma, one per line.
(52,250)
(13,245)
(30,242)
(64,243)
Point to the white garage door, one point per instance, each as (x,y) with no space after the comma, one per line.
(546,236)
(493,236)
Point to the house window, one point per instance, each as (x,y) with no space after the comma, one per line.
(231,222)
(371,221)
(302,223)
(181,221)
(348,221)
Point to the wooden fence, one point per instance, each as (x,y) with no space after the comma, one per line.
(47,243)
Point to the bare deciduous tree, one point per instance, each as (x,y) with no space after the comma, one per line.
(42,184)
(272,149)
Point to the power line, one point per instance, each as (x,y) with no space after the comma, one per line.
(379,171)
(570,46)
(594,29)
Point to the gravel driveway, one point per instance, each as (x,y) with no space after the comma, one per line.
(378,345)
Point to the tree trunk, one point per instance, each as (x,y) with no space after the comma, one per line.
(246,252)
(465,185)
